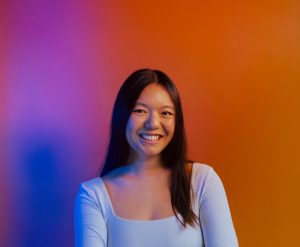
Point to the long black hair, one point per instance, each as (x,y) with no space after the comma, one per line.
(174,156)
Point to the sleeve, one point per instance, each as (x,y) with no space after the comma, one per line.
(215,217)
(89,225)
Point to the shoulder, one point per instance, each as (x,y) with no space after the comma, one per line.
(116,178)
(201,170)
(203,175)
(90,186)
(92,191)
(207,182)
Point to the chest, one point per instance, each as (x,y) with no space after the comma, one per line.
(140,201)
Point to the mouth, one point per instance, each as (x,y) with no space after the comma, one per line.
(153,138)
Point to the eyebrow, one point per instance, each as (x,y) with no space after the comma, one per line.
(165,106)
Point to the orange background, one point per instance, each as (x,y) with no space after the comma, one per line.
(237,67)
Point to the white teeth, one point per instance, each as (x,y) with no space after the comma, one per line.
(150,137)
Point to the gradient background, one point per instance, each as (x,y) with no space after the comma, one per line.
(236,64)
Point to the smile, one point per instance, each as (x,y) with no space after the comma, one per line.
(150,138)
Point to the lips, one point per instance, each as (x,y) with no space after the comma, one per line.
(150,138)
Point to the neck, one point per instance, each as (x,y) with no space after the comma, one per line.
(147,166)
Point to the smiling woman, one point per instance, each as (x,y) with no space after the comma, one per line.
(151,125)
(149,193)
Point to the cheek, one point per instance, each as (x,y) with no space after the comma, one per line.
(131,129)
(128,129)
(170,127)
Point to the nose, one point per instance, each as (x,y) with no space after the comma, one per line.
(152,121)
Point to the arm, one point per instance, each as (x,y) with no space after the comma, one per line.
(90,227)
(215,217)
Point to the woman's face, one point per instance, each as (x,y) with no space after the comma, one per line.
(151,125)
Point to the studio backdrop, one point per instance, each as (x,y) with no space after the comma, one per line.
(236,64)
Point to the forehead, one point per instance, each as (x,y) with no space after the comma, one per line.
(155,95)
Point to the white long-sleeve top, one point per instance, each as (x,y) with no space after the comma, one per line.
(97,225)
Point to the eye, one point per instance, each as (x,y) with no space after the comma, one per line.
(167,113)
(139,111)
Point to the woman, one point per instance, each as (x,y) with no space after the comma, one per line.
(148,193)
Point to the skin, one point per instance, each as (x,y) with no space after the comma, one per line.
(154,113)
(144,181)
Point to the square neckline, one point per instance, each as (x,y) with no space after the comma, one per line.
(172,217)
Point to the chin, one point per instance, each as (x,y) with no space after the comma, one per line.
(150,154)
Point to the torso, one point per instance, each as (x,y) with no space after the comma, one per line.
(140,199)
